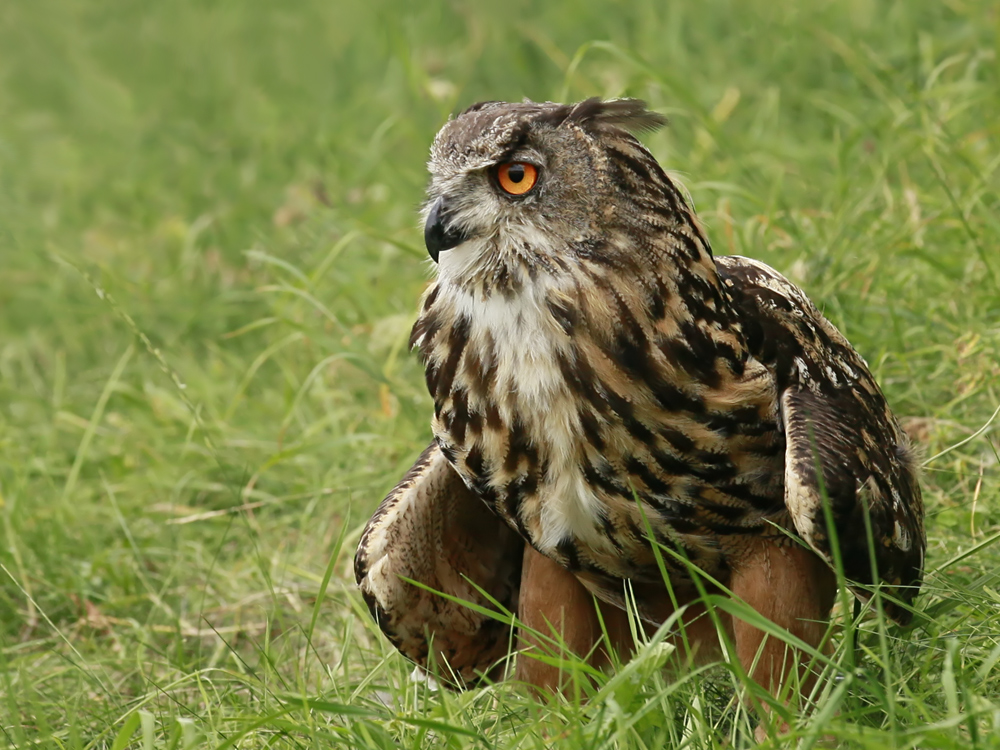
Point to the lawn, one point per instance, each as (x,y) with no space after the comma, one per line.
(209,264)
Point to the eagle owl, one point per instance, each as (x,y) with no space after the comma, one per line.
(618,413)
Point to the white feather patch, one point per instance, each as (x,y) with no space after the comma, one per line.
(527,341)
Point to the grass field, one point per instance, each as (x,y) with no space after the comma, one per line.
(209,263)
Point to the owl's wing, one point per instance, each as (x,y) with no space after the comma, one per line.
(431,528)
(842,441)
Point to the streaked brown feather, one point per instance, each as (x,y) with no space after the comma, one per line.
(842,441)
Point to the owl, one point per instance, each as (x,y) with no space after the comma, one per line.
(623,422)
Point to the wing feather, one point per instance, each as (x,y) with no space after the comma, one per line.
(842,443)
(431,528)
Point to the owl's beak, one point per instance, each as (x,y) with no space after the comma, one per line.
(438,235)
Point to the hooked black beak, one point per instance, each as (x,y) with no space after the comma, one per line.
(438,236)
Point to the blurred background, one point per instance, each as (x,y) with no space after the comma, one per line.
(210,259)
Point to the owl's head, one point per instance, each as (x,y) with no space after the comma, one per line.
(518,187)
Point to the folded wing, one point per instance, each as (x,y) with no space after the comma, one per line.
(842,442)
(431,528)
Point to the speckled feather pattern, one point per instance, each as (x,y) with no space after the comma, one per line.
(837,419)
(596,372)
(432,529)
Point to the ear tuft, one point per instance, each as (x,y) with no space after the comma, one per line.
(626,114)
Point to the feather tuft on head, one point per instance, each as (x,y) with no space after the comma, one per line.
(627,114)
(596,114)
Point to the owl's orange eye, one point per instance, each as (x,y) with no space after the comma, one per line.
(517,177)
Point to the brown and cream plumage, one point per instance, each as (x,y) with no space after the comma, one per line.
(598,375)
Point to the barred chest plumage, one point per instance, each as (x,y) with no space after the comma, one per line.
(586,419)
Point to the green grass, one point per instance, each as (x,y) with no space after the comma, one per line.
(209,262)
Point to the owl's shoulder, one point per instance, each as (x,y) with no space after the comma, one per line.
(784,329)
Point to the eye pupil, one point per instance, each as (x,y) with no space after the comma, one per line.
(516,172)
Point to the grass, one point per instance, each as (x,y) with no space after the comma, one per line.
(209,262)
